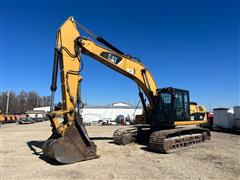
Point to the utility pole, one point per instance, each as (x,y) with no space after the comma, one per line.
(7,102)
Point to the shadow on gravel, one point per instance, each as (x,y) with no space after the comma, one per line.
(146,148)
(34,145)
(237,132)
(101,138)
(111,142)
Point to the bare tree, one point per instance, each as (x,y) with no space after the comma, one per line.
(23,101)
(32,100)
(46,100)
(3,101)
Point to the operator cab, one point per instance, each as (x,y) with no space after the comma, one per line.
(174,104)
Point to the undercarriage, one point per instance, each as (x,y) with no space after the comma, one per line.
(162,141)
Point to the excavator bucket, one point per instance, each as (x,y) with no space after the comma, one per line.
(73,146)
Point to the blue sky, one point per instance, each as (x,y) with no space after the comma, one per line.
(191,45)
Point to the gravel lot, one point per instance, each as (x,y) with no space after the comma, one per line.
(21,157)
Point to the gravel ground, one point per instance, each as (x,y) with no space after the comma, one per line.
(21,158)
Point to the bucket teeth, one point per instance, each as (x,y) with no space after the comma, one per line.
(71,147)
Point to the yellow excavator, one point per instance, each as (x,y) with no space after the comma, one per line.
(165,110)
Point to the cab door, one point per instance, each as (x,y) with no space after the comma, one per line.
(181,105)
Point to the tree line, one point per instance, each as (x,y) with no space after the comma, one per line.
(20,103)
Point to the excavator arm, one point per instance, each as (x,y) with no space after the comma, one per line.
(69,141)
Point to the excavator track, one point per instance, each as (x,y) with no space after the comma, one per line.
(166,141)
(125,136)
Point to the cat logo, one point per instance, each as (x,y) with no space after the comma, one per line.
(111,57)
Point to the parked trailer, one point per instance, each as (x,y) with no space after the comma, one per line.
(8,119)
(236,118)
(2,119)
(225,118)
(236,111)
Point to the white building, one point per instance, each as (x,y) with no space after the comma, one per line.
(109,112)
(46,109)
(36,113)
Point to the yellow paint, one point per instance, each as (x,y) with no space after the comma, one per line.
(92,49)
(196,122)
(2,118)
(65,38)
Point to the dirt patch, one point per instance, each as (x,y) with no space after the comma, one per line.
(21,157)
